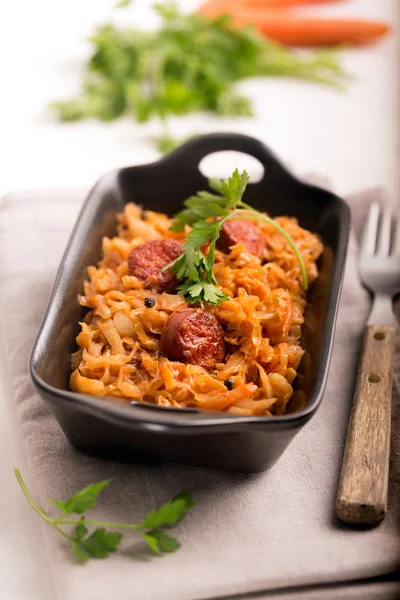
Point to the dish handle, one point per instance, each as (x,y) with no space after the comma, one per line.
(191,153)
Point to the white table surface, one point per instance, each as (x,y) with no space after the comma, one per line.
(350,138)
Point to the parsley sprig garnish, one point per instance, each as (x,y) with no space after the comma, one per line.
(206,212)
(100,542)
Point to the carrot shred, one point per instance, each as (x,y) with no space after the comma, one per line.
(167,376)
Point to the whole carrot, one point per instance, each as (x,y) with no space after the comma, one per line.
(280,3)
(216,7)
(237,9)
(295,31)
(292,30)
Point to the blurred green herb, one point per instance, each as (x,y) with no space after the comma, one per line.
(191,63)
(101,542)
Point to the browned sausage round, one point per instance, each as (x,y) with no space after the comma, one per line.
(233,232)
(194,336)
(147,261)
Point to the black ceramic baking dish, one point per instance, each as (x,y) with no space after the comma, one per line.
(140,432)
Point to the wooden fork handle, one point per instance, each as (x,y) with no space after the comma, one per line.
(363,487)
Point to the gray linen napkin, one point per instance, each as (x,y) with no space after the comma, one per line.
(269,533)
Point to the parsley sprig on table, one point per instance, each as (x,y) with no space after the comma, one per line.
(206,212)
(100,542)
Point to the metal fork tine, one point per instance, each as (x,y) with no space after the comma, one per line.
(396,233)
(385,232)
(368,242)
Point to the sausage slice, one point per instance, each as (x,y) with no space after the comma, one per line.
(194,336)
(247,232)
(147,261)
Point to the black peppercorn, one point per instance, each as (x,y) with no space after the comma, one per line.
(229,383)
(149,302)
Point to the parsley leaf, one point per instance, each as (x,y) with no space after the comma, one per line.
(99,544)
(213,295)
(80,552)
(187,216)
(83,500)
(205,205)
(81,530)
(159,541)
(202,232)
(186,497)
(233,188)
(169,514)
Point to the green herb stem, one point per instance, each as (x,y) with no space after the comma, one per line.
(100,543)
(29,497)
(61,532)
(132,527)
(244,215)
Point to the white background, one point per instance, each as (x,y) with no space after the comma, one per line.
(350,137)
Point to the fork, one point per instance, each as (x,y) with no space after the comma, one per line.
(363,487)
